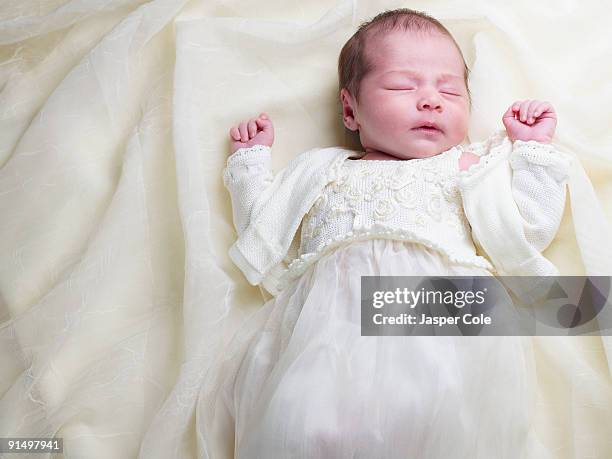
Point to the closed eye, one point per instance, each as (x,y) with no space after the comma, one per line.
(450,93)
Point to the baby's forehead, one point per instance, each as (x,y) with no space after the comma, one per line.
(386,47)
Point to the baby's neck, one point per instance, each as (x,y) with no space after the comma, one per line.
(378,156)
(372,154)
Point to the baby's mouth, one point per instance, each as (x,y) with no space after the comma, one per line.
(427,128)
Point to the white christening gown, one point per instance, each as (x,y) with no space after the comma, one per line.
(299,380)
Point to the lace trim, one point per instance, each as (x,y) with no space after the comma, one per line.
(523,152)
(298,266)
(242,156)
(486,161)
(538,153)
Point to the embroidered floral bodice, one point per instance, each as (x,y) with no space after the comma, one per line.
(415,200)
(509,205)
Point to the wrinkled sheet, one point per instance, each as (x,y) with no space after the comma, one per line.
(116,289)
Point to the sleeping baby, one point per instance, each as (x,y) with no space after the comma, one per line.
(417,200)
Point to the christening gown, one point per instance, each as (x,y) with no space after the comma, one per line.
(299,381)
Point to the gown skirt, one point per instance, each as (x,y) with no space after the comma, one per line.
(299,381)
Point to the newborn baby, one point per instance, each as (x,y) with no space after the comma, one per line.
(408,98)
(307,383)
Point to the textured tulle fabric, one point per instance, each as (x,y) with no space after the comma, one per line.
(306,384)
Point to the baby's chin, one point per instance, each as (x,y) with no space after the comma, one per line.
(424,148)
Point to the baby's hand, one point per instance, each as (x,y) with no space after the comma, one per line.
(257,131)
(530,120)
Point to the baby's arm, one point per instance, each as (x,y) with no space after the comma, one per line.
(539,172)
(249,168)
(539,178)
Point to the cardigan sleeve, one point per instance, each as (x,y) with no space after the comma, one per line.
(539,179)
(513,199)
(247,175)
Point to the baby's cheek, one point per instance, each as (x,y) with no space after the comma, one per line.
(393,117)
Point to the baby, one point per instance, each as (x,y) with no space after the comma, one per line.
(307,381)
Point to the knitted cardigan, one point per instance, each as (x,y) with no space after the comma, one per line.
(267,220)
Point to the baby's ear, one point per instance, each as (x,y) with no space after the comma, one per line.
(348,113)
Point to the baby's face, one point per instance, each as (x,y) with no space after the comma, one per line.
(417,79)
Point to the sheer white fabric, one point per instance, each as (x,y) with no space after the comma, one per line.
(301,381)
(116,291)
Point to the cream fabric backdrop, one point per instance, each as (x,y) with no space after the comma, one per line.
(115,285)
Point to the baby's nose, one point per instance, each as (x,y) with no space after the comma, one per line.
(430,103)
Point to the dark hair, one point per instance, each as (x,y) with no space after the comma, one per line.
(353,65)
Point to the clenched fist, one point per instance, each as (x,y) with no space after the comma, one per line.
(257,131)
(530,120)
